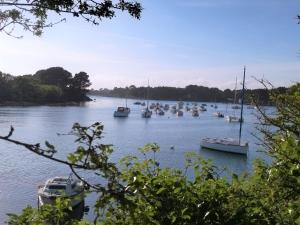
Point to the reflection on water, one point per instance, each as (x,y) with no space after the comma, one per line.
(21,171)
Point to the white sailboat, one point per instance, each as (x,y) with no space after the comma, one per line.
(229,144)
(147,113)
(235,106)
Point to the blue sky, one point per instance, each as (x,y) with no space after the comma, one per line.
(176,43)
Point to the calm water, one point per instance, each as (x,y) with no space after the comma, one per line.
(21,171)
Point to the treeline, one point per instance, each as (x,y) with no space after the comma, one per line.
(189,93)
(52,85)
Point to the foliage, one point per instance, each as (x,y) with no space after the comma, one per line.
(53,85)
(189,93)
(140,191)
(31,15)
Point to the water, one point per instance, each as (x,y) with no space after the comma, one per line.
(22,171)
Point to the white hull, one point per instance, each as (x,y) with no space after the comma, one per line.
(225,145)
(75,200)
(233,119)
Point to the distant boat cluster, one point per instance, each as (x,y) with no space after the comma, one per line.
(220,144)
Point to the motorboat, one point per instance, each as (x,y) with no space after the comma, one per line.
(137,103)
(230,144)
(202,109)
(122,112)
(226,145)
(195,113)
(161,112)
(179,113)
(166,107)
(219,114)
(234,119)
(61,187)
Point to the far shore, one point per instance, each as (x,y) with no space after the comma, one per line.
(13,103)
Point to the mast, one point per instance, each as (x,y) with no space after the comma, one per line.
(234,100)
(148,95)
(242,106)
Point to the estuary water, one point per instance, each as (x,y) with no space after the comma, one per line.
(21,171)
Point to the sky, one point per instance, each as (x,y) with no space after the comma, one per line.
(176,43)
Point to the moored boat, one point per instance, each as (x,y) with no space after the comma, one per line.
(61,187)
(229,144)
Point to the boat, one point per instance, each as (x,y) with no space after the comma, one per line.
(179,113)
(143,104)
(61,187)
(219,114)
(235,106)
(166,107)
(180,105)
(202,109)
(229,144)
(161,112)
(225,145)
(147,113)
(122,112)
(233,119)
(137,103)
(195,113)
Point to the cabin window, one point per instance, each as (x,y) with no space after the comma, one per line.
(56,187)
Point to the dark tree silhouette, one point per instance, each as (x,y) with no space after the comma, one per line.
(32,15)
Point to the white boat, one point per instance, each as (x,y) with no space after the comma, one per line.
(219,114)
(233,119)
(229,144)
(195,113)
(225,145)
(61,187)
(122,112)
(202,109)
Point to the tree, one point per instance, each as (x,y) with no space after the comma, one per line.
(55,76)
(78,86)
(31,15)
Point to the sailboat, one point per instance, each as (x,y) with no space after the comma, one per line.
(147,113)
(229,144)
(233,118)
(235,106)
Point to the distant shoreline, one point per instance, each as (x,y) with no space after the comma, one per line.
(27,104)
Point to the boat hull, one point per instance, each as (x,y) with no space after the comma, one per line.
(121,114)
(225,145)
(75,200)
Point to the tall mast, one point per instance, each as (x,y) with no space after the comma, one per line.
(148,94)
(242,106)
(234,100)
